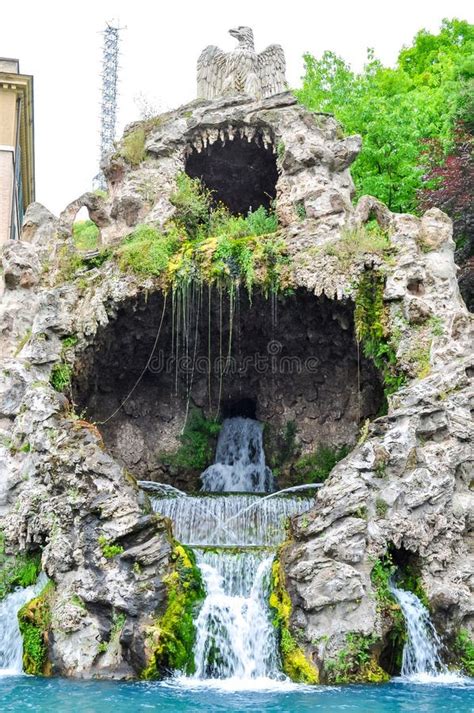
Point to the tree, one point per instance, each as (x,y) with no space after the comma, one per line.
(398,111)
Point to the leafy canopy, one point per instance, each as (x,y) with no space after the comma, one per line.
(397,110)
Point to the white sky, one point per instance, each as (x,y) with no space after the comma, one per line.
(59,43)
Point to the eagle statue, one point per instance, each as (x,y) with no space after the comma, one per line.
(242,71)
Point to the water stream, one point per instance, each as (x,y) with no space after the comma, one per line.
(422,659)
(234,528)
(11,644)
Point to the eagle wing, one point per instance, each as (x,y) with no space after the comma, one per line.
(210,72)
(271,68)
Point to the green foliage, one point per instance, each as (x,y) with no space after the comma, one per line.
(108,549)
(280,446)
(383,571)
(381,507)
(315,467)
(61,374)
(70,261)
(198,442)
(300,210)
(294,662)
(118,622)
(463,650)
(397,110)
(371,325)
(34,621)
(69,342)
(147,251)
(355,663)
(419,359)
(85,234)
(205,243)
(192,202)
(133,147)
(17,570)
(353,244)
(172,636)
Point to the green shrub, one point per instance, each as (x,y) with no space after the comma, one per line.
(61,374)
(463,649)
(381,507)
(355,663)
(193,205)
(17,570)
(108,549)
(198,442)
(133,147)
(315,467)
(367,239)
(85,234)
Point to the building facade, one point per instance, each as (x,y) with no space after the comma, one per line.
(17,164)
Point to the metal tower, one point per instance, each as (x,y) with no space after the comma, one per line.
(108,113)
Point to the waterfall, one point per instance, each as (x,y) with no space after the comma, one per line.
(234,530)
(240,460)
(246,520)
(234,635)
(11,644)
(421,653)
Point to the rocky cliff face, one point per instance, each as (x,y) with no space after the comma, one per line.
(65,484)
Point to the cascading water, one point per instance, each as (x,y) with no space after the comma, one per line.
(240,460)
(421,653)
(11,644)
(234,537)
(235,637)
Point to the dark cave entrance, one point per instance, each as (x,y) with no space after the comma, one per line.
(247,408)
(406,575)
(241,174)
(299,373)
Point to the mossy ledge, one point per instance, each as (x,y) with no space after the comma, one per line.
(20,570)
(357,662)
(34,620)
(293,659)
(170,639)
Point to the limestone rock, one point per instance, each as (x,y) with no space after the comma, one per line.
(64,482)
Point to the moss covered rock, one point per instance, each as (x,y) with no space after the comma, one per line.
(293,659)
(171,638)
(34,620)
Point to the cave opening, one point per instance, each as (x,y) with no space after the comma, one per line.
(245,408)
(300,373)
(241,173)
(406,575)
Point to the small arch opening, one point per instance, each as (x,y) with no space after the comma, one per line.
(241,173)
(85,232)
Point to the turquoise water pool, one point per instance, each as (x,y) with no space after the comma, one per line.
(24,693)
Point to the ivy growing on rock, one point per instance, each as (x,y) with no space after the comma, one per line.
(371,325)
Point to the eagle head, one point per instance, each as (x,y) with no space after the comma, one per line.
(243,34)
